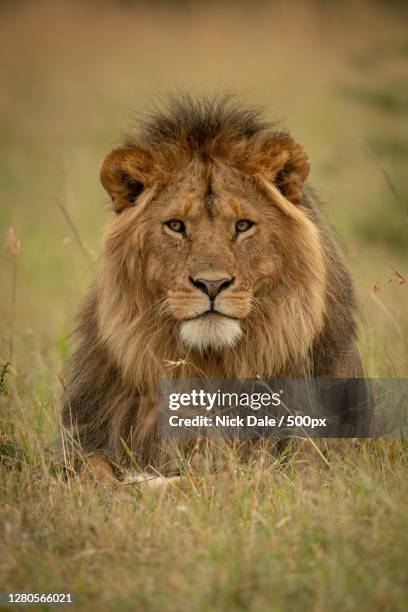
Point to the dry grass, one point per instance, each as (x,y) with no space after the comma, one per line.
(300,533)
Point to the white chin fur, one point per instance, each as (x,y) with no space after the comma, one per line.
(210,332)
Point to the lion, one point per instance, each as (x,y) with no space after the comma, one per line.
(217,263)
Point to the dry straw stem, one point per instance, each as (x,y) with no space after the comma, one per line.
(75,231)
(13,249)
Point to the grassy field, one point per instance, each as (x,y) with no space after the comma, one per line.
(303,533)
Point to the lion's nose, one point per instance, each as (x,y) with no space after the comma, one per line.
(211,287)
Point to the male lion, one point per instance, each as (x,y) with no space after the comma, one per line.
(217,263)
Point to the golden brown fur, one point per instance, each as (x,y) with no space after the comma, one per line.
(285,307)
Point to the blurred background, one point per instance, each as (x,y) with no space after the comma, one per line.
(76,74)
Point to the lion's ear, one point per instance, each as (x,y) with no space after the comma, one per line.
(288,167)
(124,174)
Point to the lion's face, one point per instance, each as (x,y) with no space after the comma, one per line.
(214,247)
(221,247)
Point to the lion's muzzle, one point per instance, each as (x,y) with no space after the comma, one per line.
(210,309)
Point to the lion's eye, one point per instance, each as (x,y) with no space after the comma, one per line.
(176,226)
(243,225)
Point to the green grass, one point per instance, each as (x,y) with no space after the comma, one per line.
(301,533)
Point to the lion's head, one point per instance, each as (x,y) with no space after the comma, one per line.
(211,249)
